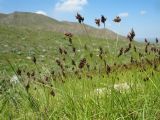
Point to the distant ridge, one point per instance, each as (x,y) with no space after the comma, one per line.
(38,21)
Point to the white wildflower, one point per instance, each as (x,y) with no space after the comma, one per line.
(28,57)
(5,45)
(14,79)
(78,50)
(121,87)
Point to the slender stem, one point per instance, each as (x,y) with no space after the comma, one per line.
(107,40)
(79,41)
(116,43)
(87,33)
(117,38)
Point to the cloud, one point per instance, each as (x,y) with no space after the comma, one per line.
(125,14)
(70,5)
(41,12)
(143,12)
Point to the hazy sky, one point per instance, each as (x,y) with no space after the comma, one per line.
(141,15)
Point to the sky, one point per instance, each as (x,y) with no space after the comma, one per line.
(141,15)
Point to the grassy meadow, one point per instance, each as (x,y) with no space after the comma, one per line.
(46,75)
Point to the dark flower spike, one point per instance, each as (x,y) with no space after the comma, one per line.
(60,50)
(103,19)
(131,35)
(28,74)
(79,18)
(157,40)
(82,63)
(108,69)
(74,49)
(91,55)
(120,52)
(70,41)
(73,63)
(68,34)
(52,93)
(129,45)
(65,52)
(145,40)
(58,62)
(117,19)
(34,60)
(27,87)
(97,21)
(19,72)
(135,49)
(126,50)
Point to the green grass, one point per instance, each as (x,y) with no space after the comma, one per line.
(74,97)
(77,99)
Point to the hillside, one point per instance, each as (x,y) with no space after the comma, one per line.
(37,21)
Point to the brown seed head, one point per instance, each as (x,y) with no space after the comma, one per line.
(19,72)
(117,19)
(82,63)
(103,19)
(68,34)
(79,18)
(131,35)
(97,21)
(52,93)
(145,40)
(34,60)
(157,40)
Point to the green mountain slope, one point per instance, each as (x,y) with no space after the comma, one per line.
(37,21)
